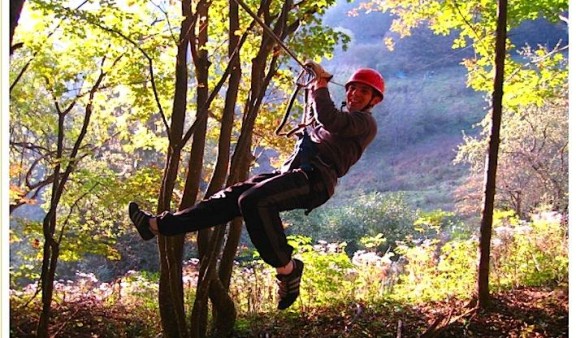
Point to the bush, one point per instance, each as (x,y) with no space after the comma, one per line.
(365,215)
(87,307)
(435,272)
(529,253)
(330,277)
(426,267)
(523,253)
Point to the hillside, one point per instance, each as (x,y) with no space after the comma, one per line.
(427,107)
(421,124)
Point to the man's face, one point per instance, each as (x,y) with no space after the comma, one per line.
(359,96)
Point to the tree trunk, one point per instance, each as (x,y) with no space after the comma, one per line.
(15,10)
(242,159)
(214,280)
(51,245)
(210,283)
(49,263)
(50,253)
(198,318)
(170,293)
(201,66)
(492,160)
(224,310)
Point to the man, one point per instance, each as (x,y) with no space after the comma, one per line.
(333,142)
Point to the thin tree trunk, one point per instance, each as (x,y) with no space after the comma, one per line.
(170,293)
(210,243)
(242,159)
(224,310)
(201,65)
(49,259)
(51,245)
(199,315)
(492,160)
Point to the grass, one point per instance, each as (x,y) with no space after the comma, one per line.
(424,171)
(525,312)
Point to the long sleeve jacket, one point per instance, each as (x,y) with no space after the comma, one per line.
(340,137)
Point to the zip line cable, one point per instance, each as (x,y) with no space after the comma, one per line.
(273,35)
(270,32)
(304,79)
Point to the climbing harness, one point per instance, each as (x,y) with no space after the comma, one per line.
(306,148)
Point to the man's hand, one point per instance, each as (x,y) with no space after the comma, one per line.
(318,71)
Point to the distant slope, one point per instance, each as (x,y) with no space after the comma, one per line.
(426,110)
(420,124)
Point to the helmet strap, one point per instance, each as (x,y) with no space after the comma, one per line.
(369,106)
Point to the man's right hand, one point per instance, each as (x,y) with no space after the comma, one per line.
(318,71)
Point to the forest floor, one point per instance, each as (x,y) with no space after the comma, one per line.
(526,312)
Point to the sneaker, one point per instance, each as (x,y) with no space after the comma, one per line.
(289,285)
(141,220)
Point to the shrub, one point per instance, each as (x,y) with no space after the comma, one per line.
(435,271)
(87,307)
(364,215)
(529,253)
(523,254)
(330,277)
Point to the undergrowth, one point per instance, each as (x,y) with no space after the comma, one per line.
(427,269)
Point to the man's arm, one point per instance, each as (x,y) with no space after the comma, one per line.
(319,82)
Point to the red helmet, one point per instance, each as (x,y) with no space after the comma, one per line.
(370,77)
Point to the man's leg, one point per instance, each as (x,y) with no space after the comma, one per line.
(218,209)
(261,206)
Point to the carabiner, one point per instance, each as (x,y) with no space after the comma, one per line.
(306,77)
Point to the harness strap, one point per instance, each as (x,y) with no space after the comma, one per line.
(278,130)
(301,82)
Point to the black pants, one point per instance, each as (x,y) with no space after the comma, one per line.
(259,201)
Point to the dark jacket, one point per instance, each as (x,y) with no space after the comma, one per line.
(340,138)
